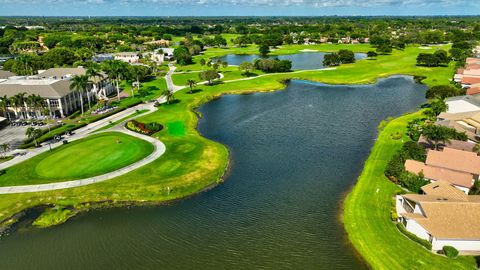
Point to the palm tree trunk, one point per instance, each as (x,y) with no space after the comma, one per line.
(81,101)
(118,89)
(88,98)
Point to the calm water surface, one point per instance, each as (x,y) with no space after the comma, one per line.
(295,154)
(300,61)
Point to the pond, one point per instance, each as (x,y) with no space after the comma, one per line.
(295,154)
(300,61)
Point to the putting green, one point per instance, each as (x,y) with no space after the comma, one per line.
(95,155)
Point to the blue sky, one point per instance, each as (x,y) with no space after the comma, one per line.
(237,7)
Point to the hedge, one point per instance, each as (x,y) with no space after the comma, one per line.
(413,237)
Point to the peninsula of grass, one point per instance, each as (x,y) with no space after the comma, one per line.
(193,163)
(92,156)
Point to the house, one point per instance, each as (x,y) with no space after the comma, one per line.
(468,81)
(462,104)
(466,122)
(455,144)
(167,53)
(457,167)
(443,215)
(474,89)
(160,55)
(127,57)
(99,58)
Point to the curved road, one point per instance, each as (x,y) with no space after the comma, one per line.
(159,150)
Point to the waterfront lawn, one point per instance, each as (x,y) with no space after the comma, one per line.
(95,155)
(367,213)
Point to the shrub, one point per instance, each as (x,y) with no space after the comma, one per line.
(413,237)
(396,136)
(450,252)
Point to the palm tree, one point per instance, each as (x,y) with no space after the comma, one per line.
(79,84)
(191,83)
(93,73)
(4,104)
(115,70)
(35,104)
(436,134)
(168,95)
(33,134)
(5,147)
(18,101)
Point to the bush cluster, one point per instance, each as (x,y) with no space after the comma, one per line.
(273,65)
(450,252)
(142,128)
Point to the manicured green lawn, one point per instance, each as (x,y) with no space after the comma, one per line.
(95,155)
(367,214)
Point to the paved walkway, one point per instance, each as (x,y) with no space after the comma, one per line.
(168,78)
(159,150)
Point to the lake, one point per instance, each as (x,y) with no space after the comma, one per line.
(300,61)
(295,154)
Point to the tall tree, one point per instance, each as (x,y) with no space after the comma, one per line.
(436,134)
(79,84)
(4,104)
(168,95)
(191,83)
(33,134)
(115,70)
(264,50)
(5,147)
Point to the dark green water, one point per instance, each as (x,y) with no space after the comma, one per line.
(300,61)
(295,155)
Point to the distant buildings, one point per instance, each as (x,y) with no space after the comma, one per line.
(127,57)
(159,56)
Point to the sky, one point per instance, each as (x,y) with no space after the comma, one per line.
(237,7)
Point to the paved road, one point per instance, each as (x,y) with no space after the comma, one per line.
(159,150)
(168,78)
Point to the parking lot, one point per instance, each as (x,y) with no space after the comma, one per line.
(13,135)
